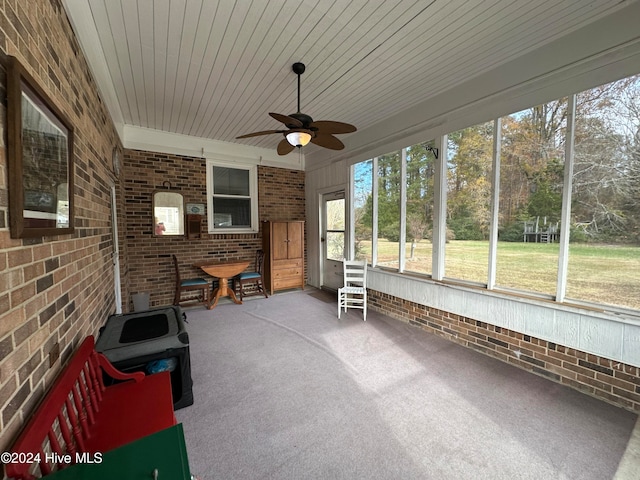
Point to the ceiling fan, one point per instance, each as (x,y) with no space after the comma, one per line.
(302,129)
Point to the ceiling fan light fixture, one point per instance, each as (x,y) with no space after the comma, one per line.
(298,139)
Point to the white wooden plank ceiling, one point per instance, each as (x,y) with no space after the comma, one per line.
(214,69)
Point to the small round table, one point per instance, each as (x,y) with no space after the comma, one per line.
(223,271)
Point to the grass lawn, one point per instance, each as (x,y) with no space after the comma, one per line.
(608,274)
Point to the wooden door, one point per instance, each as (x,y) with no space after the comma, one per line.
(295,244)
(280,242)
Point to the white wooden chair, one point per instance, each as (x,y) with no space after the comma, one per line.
(354,292)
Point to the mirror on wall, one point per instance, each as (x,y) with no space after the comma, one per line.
(168,214)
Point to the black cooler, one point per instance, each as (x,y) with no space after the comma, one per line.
(151,341)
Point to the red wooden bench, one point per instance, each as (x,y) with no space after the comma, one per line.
(80,414)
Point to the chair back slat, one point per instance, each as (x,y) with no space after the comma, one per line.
(259,261)
(85,388)
(82,413)
(96,379)
(66,434)
(177,269)
(76,429)
(53,441)
(355,273)
(45,469)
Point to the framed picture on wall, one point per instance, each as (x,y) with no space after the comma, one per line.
(40,151)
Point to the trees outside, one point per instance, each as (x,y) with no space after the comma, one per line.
(389,196)
(531,181)
(606,179)
(420,176)
(469,161)
(363,209)
(531,168)
(469,182)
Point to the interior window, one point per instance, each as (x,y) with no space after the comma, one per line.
(232,198)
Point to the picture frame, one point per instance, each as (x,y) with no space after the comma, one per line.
(40,154)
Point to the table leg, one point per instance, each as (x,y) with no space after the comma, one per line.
(233,297)
(213,298)
(226,290)
(223,290)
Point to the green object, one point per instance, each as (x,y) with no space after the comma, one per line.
(164,452)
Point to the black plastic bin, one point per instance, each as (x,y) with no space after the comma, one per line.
(137,342)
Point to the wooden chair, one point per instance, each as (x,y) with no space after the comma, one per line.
(354,292)
(190,285)
(251,278)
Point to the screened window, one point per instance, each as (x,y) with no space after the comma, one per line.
(593,259)
(389,180)
(531,180)
(232,198)
(419,207)
(469,158)
(604,248)
(363,210)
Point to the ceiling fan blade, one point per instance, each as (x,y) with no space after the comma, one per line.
(264,132)
(327,126)
(287,120)
(284,147)
(327,140)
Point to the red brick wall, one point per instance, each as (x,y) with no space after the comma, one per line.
(54,290)
(280,196)
(600,377)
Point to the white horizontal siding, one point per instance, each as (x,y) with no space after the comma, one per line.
(606,335)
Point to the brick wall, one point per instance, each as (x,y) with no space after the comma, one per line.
(53,290)
(600,377)
(150,267)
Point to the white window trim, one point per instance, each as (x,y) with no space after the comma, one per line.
(253,193)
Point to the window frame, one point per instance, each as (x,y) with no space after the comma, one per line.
(253,196)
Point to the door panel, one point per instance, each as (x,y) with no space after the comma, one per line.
(294,240)
(280,243)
